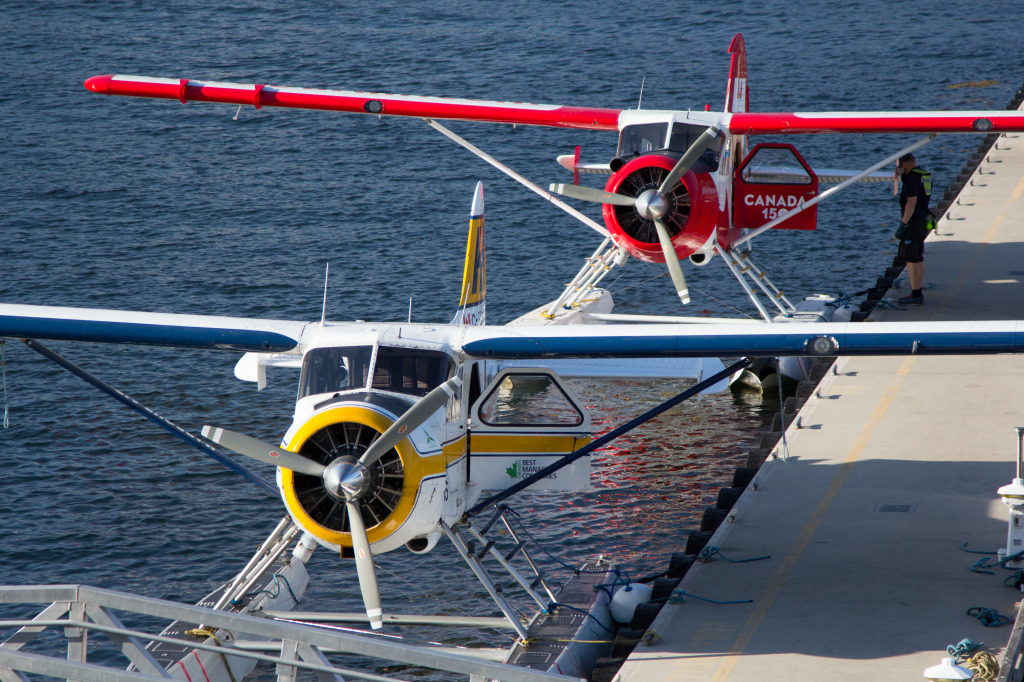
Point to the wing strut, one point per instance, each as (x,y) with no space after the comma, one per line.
(162,422)
(593,224)
(493,500)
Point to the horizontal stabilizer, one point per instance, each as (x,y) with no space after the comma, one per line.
(568,162)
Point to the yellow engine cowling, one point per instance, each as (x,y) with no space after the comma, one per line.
(409,484)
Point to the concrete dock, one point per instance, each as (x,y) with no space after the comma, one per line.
(895,466)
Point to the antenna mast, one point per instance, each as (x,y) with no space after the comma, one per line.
(323,309)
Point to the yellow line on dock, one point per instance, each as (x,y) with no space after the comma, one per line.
(789,563)
(1016,193)
(981,246)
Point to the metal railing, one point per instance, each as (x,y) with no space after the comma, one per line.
(78,611)
(1011,666)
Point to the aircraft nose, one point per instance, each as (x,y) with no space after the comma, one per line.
(100,84)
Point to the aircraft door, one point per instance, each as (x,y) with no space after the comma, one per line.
(522,421)
(772,181)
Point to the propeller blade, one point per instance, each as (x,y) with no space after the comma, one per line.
(264,452)
(411,420)
(689,157)
(598,196)
(364,566)
(675,270)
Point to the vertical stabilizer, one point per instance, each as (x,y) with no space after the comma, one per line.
(736,92)
(736,101)
(472,302)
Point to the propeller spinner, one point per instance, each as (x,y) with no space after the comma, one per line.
(655,203)
(346,479)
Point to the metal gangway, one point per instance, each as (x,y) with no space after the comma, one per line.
(83,617)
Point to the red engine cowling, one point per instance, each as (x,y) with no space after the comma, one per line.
(691,221)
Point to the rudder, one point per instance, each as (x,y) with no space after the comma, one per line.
(473,300)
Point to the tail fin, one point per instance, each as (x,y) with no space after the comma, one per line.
(472,302)
(736,91)
(737,100)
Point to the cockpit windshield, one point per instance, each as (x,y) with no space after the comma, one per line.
(329,370)
(402,370)
(642,138)
(410,370)
(684,135)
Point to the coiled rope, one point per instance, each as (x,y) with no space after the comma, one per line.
(990,618)
(962,648)
(711,551)
(984,665)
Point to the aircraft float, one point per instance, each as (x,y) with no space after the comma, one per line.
(683,184)
(399,430)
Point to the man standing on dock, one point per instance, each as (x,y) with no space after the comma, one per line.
(917,189)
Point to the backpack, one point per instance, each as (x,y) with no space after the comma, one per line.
(926,180)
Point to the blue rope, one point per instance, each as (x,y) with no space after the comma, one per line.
(841,301)
(886,304)
(990,618)
(609,588)
(963,547)
(982,564)
(963,648)
(678,597)
(274,594)
(1009,558)
(585,613)
(711,551)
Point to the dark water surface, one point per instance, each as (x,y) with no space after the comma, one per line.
(150,205)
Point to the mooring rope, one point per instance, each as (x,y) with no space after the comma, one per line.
(963,648)
(711,551)
(679,596)
(990,618)
(963,546)
(984,665)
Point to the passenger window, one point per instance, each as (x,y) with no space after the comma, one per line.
(329,370)
(529,400)
(775,166)
(409,370)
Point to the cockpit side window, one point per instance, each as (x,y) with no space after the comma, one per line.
(410,370)
(329,370)
(642,138)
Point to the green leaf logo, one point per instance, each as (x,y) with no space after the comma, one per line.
(513,471)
